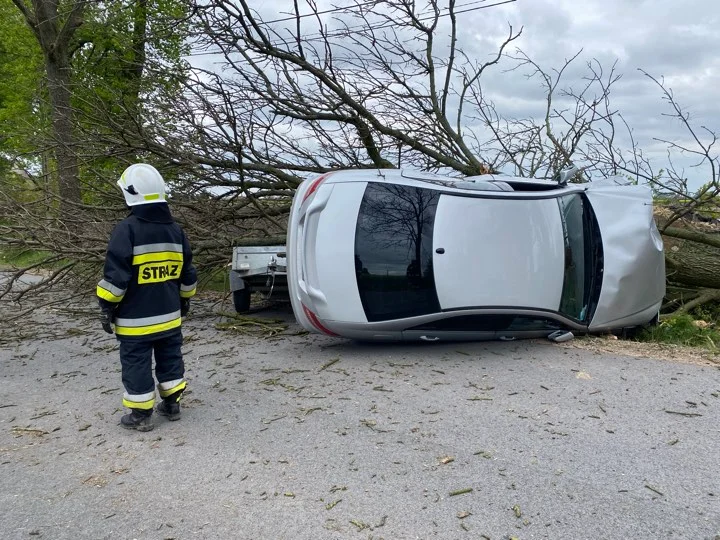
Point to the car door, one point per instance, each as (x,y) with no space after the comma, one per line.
(498,252)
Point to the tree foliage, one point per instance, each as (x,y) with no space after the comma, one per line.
(21,98)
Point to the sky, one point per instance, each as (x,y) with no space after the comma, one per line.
(675,41)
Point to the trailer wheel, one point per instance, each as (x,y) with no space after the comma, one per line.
(241,299)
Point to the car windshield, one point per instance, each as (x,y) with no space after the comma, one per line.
(393,251)
(583,264)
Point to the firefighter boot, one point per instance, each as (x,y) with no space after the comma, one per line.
(138,419)
(170,406)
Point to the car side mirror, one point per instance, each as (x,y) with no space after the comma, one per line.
(560,336)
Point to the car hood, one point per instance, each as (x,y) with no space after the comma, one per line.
(633,282)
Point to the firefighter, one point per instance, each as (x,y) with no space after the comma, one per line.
(145,292)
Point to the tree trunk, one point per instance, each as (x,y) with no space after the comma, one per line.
(709,238)
(139,41)
(62,121)
(692,264)
(54,36)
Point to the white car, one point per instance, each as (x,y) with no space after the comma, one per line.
(401,255)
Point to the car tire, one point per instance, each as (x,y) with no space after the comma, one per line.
(241,300)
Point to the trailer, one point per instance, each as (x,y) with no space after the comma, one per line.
(258,269)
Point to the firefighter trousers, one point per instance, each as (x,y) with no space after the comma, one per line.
(136,360)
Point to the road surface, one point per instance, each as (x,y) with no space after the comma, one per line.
(298,436)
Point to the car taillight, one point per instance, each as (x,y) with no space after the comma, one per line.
(315,184)
(316,322)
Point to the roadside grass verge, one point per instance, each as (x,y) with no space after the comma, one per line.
(213,279)
(21,258)
(684,330)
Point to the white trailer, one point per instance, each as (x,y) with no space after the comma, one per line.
(260,269)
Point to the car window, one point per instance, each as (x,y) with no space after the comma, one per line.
(492,323)
(393,251)
(530,185)
(573,301)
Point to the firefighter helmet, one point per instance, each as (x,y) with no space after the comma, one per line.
(142,184)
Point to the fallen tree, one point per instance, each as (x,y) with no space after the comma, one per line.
(380,87)
(692,260)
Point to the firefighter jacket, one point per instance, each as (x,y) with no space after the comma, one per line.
(148,269)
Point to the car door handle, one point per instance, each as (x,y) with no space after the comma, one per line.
(440,251)
(429,338)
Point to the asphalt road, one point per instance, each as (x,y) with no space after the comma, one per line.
(299,436)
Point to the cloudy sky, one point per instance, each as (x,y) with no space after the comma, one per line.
(676,41)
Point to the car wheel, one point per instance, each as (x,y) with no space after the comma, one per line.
(241,300)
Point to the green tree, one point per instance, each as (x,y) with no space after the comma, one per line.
(94,56)
(21,79)
(54,24)
(127,51)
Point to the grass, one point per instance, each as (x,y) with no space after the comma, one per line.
(215,280)
(683,330)
(10,258)
(20,258)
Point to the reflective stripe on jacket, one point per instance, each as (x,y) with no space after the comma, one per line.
(148,268)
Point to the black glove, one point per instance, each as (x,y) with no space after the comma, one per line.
(184,306)
(106,317)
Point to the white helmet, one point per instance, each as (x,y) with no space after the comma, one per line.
(142,184)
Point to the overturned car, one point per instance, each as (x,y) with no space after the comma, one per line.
(402,255)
